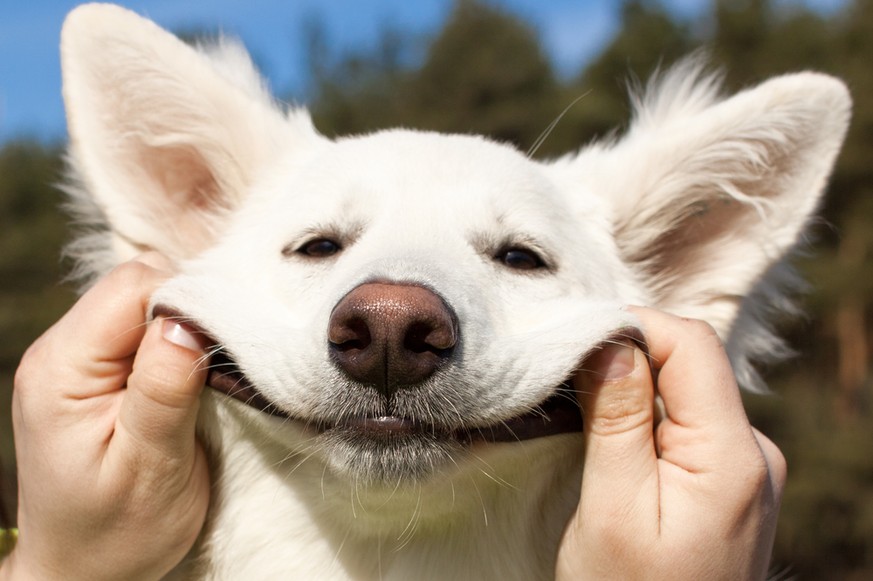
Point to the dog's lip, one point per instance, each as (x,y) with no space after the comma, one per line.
(223,374)
(558,414)
(383,425)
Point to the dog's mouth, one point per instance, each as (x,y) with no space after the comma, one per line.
(557,414)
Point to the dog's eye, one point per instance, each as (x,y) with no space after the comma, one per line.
(520,259)
(319,248)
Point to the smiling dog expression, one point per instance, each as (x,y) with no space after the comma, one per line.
(402,295)
(387,353)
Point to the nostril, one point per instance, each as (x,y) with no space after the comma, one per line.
(352,333)
(422,337)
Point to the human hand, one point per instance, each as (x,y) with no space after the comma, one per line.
(113,484)
(695,497)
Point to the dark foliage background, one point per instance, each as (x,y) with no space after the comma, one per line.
(485,72)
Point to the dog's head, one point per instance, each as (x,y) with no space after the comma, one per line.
(402,294)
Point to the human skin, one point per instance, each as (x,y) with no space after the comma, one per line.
(112,482)
(693,496)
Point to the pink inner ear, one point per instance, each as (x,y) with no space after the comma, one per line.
(683,246)
(180,196)
(182,177)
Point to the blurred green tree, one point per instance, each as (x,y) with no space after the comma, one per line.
(648,39)
(503,87)
(32,233)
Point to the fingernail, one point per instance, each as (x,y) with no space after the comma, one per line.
(180,334)
(613,361)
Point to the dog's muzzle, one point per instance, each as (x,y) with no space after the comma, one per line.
(390,337)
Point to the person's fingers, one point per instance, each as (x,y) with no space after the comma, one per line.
(695,379)
(706,428)
(90,348)
(108,321)
(161,401)
(616,396)
(89,352)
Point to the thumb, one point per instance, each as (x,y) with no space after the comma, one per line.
(616,394)
(162,397)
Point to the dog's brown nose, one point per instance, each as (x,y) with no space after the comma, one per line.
(391,336)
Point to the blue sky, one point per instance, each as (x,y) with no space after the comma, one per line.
(573,32)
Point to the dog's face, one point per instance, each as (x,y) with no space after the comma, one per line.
(402,295)
(406,293)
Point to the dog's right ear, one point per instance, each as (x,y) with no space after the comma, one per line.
(706,195)
(165,138)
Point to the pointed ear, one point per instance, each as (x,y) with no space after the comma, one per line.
(707,195)
(165,138)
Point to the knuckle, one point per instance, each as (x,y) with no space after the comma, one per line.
(25,371)
(152,378)
(703,335)
(753,477)
(132,273)
(32,364)
(779,465)
(759,476)
(131,280)
(701,329)
(619,414)
(161,384)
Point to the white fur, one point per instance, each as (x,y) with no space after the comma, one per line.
(185,152)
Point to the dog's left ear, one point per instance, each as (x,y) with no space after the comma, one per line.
(705,195)
(166,139)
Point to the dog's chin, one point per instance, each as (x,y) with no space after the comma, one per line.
(391,450)
(378,455)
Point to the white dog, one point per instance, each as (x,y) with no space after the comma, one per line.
(402,311)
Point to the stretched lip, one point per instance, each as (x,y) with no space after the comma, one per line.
(558,414)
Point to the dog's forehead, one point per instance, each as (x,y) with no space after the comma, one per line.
(421,172)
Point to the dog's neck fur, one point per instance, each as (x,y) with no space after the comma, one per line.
(489,520)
